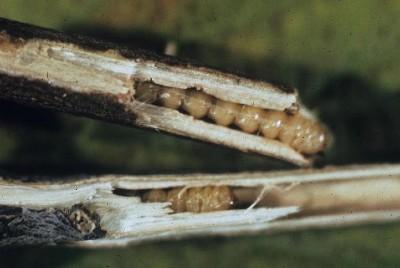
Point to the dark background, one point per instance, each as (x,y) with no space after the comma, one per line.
(341,55)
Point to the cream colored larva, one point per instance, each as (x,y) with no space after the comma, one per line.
(196,199)
(300,133)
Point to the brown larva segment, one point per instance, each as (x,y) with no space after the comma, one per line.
(196,200)
(248,119)
(172,97)
(197,103)
(147,92)
(223,113)
(177,197)
(219,198)
(271,123)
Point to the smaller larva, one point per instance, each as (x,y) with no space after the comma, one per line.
(196,199)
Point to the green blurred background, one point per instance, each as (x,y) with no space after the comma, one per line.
(341,55)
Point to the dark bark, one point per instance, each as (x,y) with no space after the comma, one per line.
(22,227)
(41,94)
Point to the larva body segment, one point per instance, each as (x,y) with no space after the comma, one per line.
(248,119)
(197,103)
(171,97)
(292,130)
(223,113)
(272,123)
(196,199)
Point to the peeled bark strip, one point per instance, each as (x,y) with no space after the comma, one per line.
(83,76)
(118,210)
